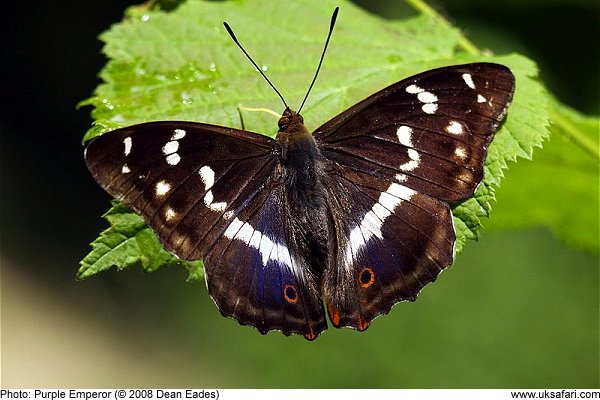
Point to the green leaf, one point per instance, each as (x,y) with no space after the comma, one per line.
(128,242)
(560,188)
(182,65)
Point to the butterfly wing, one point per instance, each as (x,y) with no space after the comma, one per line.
(184,179)
(391,241)
(194,184)
(394,162)
(433,128)
(275,289)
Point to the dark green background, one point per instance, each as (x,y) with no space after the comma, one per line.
(518,309)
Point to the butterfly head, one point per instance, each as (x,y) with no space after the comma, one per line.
(294,140)
(291,121)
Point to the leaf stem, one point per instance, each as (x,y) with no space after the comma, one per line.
(574,133)
(426,9)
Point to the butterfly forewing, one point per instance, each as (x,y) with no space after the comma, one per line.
(433,128)
(187,180)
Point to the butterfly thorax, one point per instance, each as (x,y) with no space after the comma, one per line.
(299,156)
(302,171)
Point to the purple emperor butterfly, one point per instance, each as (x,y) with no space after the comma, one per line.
(355,215)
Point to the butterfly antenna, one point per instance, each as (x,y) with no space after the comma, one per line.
(230,31)
(331,25)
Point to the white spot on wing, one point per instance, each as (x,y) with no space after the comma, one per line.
(170,214)
(125,169)
(268,249)
(208,198)
(284,257)
(173,159)
(255,240)
(208,176)
(388,200)
(405,135)
(401,191)
(427,97)
(171,147)
(468,80)
(413,163)
(460,153)
(430,108)
(245,233)
(401,177)
(455,128)
(162,188)
(218,207)
(481,99)
(178,134)
(380,211)
(233,228)
(265,248)
(414,89)
(372,224)
(127,142)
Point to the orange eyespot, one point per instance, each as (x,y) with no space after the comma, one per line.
(290,294)
(366,277)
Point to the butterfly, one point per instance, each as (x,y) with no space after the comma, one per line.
(347,220)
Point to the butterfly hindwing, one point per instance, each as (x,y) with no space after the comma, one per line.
(256,275)
(391,242)
(433,127)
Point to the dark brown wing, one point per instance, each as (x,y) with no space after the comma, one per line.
(433,128)
(256,274)
(390,241)
(185,179)
(395,160)
(207,191)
